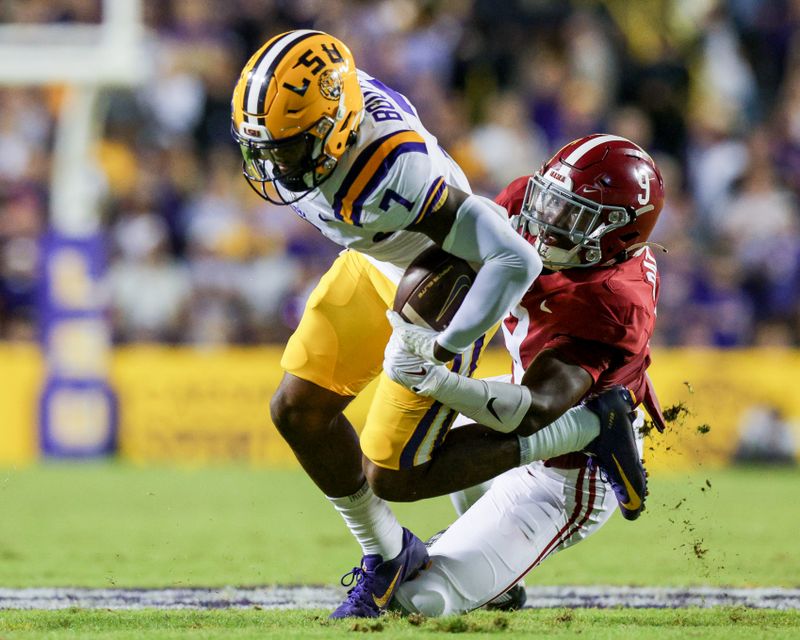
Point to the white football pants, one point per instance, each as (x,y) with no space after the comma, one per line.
(528,514)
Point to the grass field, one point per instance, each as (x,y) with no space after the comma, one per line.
(112,525)
(106,525)
(717,624)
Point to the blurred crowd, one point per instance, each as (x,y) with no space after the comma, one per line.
(710,87)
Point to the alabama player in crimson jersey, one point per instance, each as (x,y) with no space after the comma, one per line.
(582,328)
(599,318)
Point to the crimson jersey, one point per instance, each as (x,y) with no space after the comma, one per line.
(600,318)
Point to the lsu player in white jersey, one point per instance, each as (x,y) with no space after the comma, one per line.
(351,157)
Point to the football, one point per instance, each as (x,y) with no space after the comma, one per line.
(433,288)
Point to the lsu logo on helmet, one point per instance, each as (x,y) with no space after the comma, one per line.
(330,84)
(295,110)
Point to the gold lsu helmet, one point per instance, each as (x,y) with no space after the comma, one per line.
(295,110)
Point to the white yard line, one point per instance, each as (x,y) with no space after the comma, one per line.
(309,597)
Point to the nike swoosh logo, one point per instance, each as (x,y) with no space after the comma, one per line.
(384,599)
(634,501)
(462,282)
(422,372)
(491,408)
(544,308)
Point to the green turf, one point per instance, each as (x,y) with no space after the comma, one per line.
(108,525)
(717,624)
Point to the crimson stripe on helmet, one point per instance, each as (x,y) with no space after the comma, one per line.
(590,144)
(263,69)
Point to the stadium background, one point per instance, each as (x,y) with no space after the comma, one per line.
(199,281)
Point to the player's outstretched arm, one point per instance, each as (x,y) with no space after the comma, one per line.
(477,230)
(506,414)
(551,385)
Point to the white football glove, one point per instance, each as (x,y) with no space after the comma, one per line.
(410,370)
(417,340)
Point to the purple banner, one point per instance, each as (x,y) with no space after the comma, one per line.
(78,412)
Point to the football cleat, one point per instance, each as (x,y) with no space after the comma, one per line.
(376,580)
(614,451)
(510,600)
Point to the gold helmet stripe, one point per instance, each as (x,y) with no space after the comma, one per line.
(263,68)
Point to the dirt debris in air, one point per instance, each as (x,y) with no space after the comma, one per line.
(647,427)
(676,412)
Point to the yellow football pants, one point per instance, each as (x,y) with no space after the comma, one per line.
(339,346)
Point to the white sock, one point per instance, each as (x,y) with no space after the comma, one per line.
(372,522)
(571,432)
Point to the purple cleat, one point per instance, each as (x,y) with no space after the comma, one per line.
(614,450)
(377,580)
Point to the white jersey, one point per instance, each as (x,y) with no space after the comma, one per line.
(394,176)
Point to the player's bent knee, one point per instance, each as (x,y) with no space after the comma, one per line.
(292,413)
(278,409)
(378,448)
(284,411)
(393,484)
(435,592)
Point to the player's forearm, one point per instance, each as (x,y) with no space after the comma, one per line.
(482,234)
(501,406)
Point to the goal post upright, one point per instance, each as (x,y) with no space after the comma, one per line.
(77,408)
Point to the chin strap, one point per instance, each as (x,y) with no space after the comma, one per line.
(639,245)
(556,262)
